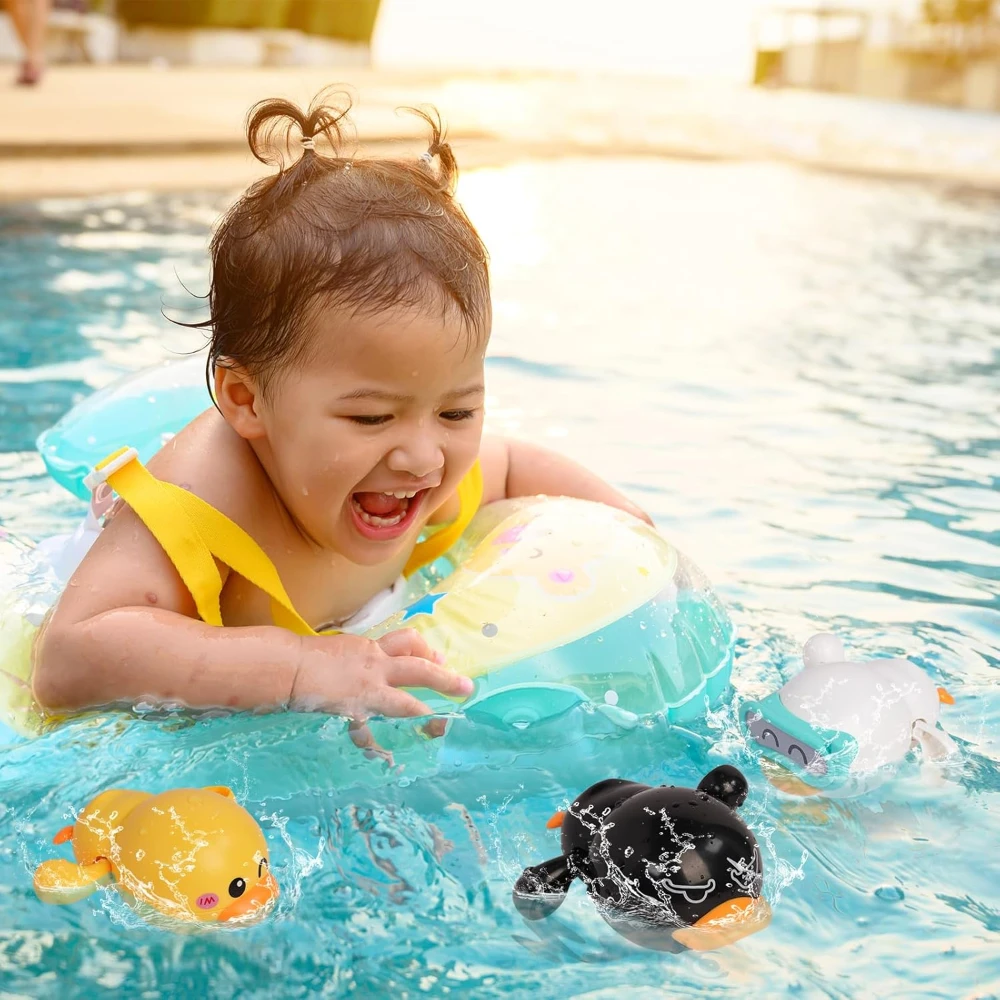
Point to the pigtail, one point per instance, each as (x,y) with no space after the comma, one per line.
(446,174)
(273,124)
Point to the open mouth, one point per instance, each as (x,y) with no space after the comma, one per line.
(384,516)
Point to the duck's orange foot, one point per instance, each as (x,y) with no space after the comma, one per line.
(66,833)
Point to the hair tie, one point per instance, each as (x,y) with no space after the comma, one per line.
(427,157)
(308,142)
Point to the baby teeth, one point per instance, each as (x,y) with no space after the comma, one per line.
(379,522)
(401,495)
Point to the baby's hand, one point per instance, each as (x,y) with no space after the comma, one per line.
(353,676)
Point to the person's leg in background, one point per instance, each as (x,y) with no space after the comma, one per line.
(30,18)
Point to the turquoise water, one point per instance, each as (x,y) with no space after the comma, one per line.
(797,375)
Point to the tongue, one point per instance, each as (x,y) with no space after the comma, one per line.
(379,504)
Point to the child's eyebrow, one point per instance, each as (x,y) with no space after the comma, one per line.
(391,397)
(397,397)
(469,390)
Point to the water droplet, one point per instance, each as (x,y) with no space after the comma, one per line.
(890,893)
(629,852)
(489,630)
(611,697)
(642,625)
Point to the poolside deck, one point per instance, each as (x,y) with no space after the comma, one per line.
(94,129)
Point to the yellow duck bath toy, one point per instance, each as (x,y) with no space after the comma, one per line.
(190,853)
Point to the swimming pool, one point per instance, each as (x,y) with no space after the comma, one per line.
(797,375)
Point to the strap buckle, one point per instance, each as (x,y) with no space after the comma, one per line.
(104,470)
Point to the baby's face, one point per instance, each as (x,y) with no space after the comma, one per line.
(374,432)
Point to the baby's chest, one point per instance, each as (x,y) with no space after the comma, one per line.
(323,589)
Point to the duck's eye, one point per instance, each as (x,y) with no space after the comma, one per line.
(796,751)
(770,734)
(237,887)
(261,865)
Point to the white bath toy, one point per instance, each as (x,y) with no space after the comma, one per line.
(841,728)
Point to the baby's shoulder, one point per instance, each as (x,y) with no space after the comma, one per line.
(211,460)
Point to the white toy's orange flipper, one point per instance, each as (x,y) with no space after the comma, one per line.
(60,881)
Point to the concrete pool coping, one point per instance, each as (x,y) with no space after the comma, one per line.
(91,130)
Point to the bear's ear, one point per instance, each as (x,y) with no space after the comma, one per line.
(226,793)
(822,648)
(726,784)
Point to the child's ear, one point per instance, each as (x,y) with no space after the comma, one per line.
(238,396)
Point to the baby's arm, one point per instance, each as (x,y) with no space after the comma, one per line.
(513,468)
(126,630)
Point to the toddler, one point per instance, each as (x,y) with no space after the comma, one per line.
(350,314)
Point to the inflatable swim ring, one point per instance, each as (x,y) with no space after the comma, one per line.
(548,604)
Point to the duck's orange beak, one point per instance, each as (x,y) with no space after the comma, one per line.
(945,697)
(555,821)
(257,898)
(725,924)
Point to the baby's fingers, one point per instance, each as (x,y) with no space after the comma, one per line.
(396,704)
(363,738)
(408,642)
(412,671)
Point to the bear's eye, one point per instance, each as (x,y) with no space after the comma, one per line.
(237,887)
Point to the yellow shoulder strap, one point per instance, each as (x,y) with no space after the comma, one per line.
(193,534)
(470,495)
(167,522)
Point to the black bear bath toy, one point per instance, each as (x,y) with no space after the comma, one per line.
(669,868)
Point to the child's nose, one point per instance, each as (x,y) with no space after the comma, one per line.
(419,457)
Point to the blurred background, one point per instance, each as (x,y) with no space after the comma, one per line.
(849,85)
(744,261)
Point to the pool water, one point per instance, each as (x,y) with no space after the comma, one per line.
(797,375)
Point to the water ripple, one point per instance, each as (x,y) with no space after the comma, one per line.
(798,375)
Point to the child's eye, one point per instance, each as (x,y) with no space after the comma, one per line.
(457,415)
(367,420)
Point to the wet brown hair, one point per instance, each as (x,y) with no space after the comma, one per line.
(365,233)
